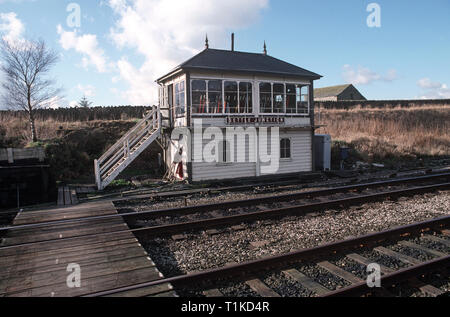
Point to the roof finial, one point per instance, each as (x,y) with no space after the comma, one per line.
(206,42)
(265,48)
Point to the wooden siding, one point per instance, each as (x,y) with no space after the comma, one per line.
(202,171)
(301,160)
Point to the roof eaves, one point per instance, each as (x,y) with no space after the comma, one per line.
(310,75)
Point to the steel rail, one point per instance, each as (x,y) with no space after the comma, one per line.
(392,278)
(251,269)
(152,214)
(237,219)
(298,210)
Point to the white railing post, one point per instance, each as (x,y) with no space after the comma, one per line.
(158,110)
(155,117)
(98,180)
(126,148)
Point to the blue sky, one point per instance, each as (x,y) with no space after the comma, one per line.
(122,46)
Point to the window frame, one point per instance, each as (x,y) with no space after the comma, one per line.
(224,113)
(288,158)
(285,113)
(177,94)
(256,97)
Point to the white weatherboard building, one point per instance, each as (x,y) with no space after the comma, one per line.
(230,92)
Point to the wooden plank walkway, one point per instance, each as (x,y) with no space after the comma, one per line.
(67,196)
(39,261)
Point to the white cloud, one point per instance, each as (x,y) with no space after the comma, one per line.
(88,90)
(11,27)
(364,76)
(168,32)
(55,103)
(73,104)
(87,45)
(433,90)
(426,83)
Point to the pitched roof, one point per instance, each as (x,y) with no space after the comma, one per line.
(330,91)
(223,60)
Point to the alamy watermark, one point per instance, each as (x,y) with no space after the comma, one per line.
(374,18)
(374,277)
(74,18)
(74,278)
(230,145)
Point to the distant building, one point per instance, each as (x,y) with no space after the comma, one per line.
(338,93)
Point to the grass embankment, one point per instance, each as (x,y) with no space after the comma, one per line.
(391,136)
(71,147)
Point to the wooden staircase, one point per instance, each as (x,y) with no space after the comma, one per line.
(125,151)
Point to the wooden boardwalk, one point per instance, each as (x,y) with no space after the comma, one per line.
(35,261)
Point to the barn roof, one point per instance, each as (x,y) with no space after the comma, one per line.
(234,61)
(330,91)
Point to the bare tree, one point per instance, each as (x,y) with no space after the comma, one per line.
(26,87)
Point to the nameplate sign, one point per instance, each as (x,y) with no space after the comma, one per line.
(253,120)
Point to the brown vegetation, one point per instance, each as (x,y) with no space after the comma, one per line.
(71,147)
(390,133)
(379,134)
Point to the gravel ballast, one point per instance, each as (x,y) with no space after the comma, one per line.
(201,251)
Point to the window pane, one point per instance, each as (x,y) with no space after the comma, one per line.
(198,85)
(215,102)
(231,97)
(285,148)
(215,85)
(245,98)
(198,102)
(291,99)
(265,87)
(278,98)
(179,102)
(265,97)
(182,108)
(303,100)
(305,93)
(290,89)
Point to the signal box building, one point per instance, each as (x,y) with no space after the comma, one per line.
(230,89)
(262,97)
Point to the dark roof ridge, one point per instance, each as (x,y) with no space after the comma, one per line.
(211,58)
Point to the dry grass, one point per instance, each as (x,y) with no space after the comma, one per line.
(15,131)
(391,133)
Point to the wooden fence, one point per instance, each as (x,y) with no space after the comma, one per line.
(15,155)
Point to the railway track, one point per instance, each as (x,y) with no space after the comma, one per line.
(266,186)
(291,267)
(179,220)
